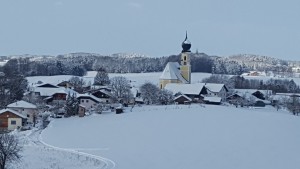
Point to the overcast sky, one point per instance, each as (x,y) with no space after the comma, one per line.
(152,27)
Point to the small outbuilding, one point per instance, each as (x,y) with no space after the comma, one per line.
(119,110)
(182,99)
(81,111)
(213,100)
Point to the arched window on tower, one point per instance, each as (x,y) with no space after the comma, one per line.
(184,58)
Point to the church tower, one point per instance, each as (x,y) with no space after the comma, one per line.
(185,67)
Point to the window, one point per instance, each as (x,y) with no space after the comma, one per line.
(87,101)
(82,101)
(28,115)
(13,122)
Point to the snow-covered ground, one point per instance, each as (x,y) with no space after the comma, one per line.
(185,136)
(136,78)
(38,155)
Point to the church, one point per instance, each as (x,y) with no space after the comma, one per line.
(175,73)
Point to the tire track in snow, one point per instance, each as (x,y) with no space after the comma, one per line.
(109,164)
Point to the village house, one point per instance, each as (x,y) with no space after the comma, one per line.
(88,101)
(261,94)
(103,94)
(249,97)
(11,120)
(51,93)
(27,109)
(65,84)
(182,99)
(216,90)
(212,100)
(194,91)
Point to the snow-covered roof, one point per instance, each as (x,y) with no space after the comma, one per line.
(289,94)
(213,99)
(22,104)
(183,96)
(61,92)
(89,96)
(139,99)
(248,96)
(213,87)
(253,91)
(44,91)
(279,96)
(192,89)
(172,72)
(12,111)
(106,92)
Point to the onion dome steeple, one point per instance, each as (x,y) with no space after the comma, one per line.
(186,44)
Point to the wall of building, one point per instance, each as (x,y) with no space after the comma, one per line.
(163,83)
(28,112)
(185,67)
(18,123)
(88,103)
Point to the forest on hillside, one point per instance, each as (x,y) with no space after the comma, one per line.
(79,63)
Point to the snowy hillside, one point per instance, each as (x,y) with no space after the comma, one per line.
(257,62)
(136,79)
(176,137)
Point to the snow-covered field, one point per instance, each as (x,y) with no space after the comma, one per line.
(136,78)
(176,137)
(169,137)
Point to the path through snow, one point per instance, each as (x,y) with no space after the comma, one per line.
(37,154)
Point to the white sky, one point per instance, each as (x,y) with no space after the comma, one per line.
(151,27)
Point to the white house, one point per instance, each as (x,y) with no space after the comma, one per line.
(27,109)
(194,91)
(216,90)
(88,100)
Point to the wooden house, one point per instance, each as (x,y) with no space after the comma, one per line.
(11,120)
(182,99)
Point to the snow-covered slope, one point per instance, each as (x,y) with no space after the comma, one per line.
(176,137)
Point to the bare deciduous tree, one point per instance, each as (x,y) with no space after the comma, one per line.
(120,89)
(101,77)
(149,93)
(10,149)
